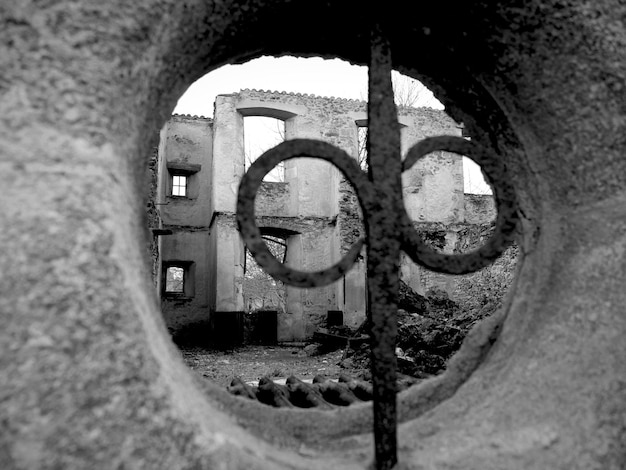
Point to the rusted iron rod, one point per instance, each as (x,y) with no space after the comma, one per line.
(388,228)
(382,219)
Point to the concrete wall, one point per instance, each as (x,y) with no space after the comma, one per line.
(433,187)
(186,148)
(190,248)
(228,148)
(90,378)
(489,284)
(227,261)
(186,143)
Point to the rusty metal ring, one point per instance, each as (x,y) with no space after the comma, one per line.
(506,204)
(251,234)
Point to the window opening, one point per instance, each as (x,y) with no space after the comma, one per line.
(179,185)
(174,280)
(261,291)
(362,133)
(411,93)
(473,179)
(261,134)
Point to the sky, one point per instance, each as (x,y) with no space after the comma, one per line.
(316,76)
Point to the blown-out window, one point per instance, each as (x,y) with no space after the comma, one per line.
(178,279)
(179,185)
(361,130)
(261,134)
(183,182)
(174,280)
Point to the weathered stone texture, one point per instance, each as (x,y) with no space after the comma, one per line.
(89,378)
(154,219)
(186,143)
(273,198)
(479,208)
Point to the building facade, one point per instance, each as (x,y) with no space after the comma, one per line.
(206,281)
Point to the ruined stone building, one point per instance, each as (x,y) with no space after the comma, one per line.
(312,212)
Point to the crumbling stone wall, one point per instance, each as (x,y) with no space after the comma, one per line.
(313,191)
(483,290)
(154,219)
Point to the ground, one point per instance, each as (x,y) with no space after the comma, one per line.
(250,363)
(425,342)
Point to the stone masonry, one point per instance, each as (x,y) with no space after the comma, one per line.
(314,208)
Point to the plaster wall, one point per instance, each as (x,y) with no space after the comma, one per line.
(228,148)
(354,295)
(186,143)
(188,247)
(455,222)
(310,247)
(433,187)
(162,176)
(291,324)
(212,271)
(310,190)
(227,260)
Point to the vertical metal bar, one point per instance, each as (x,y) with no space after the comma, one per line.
(383,253)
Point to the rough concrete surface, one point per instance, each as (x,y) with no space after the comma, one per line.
(89,378)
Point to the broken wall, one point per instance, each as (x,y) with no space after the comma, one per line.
(314,209)
(186,150)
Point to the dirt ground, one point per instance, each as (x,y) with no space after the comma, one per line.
(250,363)
(425,342)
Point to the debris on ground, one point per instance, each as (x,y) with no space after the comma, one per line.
(339,337)
(321,393)
(431,328)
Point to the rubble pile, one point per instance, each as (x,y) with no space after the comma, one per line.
(431,329)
